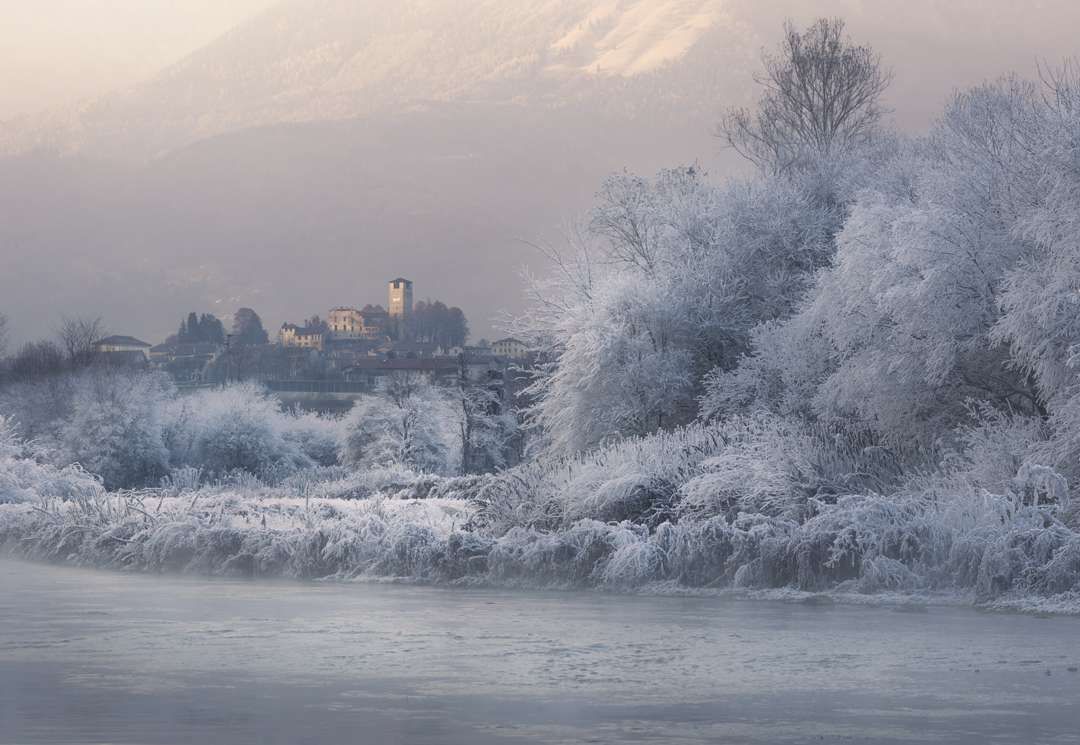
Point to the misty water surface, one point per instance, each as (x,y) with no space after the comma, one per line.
(95,657)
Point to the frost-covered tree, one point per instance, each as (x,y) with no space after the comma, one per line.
(116,428)
(408,423)
(674,275)
(1040,298)
(822,94)
(619,370)
(897,332)
(489,428)
(239,427)
(77,337)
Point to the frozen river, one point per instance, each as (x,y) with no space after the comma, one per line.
(96,657)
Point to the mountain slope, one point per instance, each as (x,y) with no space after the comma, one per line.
(318,60)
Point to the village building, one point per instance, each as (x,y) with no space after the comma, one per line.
(401,298)
(511,348)
(121,345)
(301,337)
(351,323)
(345,323)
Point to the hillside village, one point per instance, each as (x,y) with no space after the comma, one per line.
(351,349)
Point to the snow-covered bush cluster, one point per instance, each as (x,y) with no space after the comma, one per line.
(133,429)
(136,430)
(25,477)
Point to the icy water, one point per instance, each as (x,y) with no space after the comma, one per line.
(97,657)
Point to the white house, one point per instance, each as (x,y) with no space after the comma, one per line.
(515,349)
(113,344)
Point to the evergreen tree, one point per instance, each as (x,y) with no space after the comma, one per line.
(211,330)
(248,328)
(194,330)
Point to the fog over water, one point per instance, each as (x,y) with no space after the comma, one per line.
(96,657)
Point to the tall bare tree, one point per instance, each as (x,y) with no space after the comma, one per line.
(821,93)
(77,337)
(3,335)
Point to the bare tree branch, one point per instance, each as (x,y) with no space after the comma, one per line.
(77,337)
(821,94)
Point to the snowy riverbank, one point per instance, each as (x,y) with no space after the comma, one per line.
(866,551)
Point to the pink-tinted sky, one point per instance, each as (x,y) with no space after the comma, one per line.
(56,52)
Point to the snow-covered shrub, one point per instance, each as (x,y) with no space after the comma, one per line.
(132,428)
(116,427)
(409,424)
(238,428)
(635,497)
(316,436)
(1020,559)
(11,446)
(761,466)
(988,453)
(636,479)
(24,478)
(571,557)
(857,535)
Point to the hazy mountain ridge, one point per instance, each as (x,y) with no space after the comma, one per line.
(317,60)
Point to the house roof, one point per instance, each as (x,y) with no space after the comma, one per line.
(121,341)
(509,340)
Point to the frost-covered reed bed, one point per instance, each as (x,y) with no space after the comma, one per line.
(864,545)
(751,504)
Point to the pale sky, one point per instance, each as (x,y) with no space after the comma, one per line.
(57,52)
(237,208)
